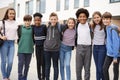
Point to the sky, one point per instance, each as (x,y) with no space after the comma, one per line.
(4,3)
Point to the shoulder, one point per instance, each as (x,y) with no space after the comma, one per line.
(43,25)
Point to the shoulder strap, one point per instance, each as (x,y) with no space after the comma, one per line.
(3,27)
(116,29)
(33,33)
(19,31)
(59,27)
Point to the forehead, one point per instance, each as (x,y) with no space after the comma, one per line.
(106,18)
(53,17)
(82,14)
(37,17)
(11,11)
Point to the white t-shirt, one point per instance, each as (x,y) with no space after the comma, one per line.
(10,29)
(84,37)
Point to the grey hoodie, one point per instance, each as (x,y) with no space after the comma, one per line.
(52,42)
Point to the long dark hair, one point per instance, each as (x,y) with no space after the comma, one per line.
(6,14)
(101,23)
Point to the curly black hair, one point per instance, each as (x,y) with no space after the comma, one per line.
(82,10)
(38,15)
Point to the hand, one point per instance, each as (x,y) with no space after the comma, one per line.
(115,61)
(3,37)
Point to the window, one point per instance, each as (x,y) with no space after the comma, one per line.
(113,1)
(42,6)
(76,3)
(66,7)
(18,10)
(38,6)
(29,7)
(86,3)
(57,5)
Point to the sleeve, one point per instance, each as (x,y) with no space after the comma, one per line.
(115,41)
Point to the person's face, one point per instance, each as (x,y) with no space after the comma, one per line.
(27,23)
(37,21)
(53,20)
(96,19)
(71,24)
(82,18)
(11,14)
(106,21)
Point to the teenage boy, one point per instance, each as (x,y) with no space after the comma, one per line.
(113,47)
(52,46)
(25,47)
(84,48)
(39,36)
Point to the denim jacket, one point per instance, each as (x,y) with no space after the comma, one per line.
(113,42)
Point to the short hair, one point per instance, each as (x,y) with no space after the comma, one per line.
(27,18)
(107,15)
(53,14)
(38,15)
(82,10)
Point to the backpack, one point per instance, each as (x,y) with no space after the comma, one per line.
(118,32)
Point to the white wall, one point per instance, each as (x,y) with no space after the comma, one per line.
(95,5)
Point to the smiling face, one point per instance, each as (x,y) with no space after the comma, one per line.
(27,23)
(37,21)
(97,19)
(106,21)
(11,14)
(82,18)
(53,20)
(71,24)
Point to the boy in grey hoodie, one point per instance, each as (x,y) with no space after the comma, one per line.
(51,46)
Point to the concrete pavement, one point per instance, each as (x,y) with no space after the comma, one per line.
(32,75)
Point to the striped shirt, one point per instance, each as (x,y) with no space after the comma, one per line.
(69,37)
(99,36)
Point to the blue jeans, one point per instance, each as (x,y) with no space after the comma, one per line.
(23,63)
(65,57)
(7,55)
(99,54)
(54,55)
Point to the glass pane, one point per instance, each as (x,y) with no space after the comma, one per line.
(58,5)
(66,4)
(42,6)
(86,3)
(31,7)
(76,3)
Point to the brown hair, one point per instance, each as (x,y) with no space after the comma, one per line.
(71,19)
(27,18)
(107,15)
(6,13)
(101,23)
(53,14)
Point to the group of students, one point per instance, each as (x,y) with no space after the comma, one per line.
(56,41)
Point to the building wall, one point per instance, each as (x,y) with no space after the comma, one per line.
(3,10)
(94,5)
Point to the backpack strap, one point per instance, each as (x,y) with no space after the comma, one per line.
(32,26)
(19,31)
(3,28)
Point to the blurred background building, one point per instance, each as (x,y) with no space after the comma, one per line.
(65,8)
